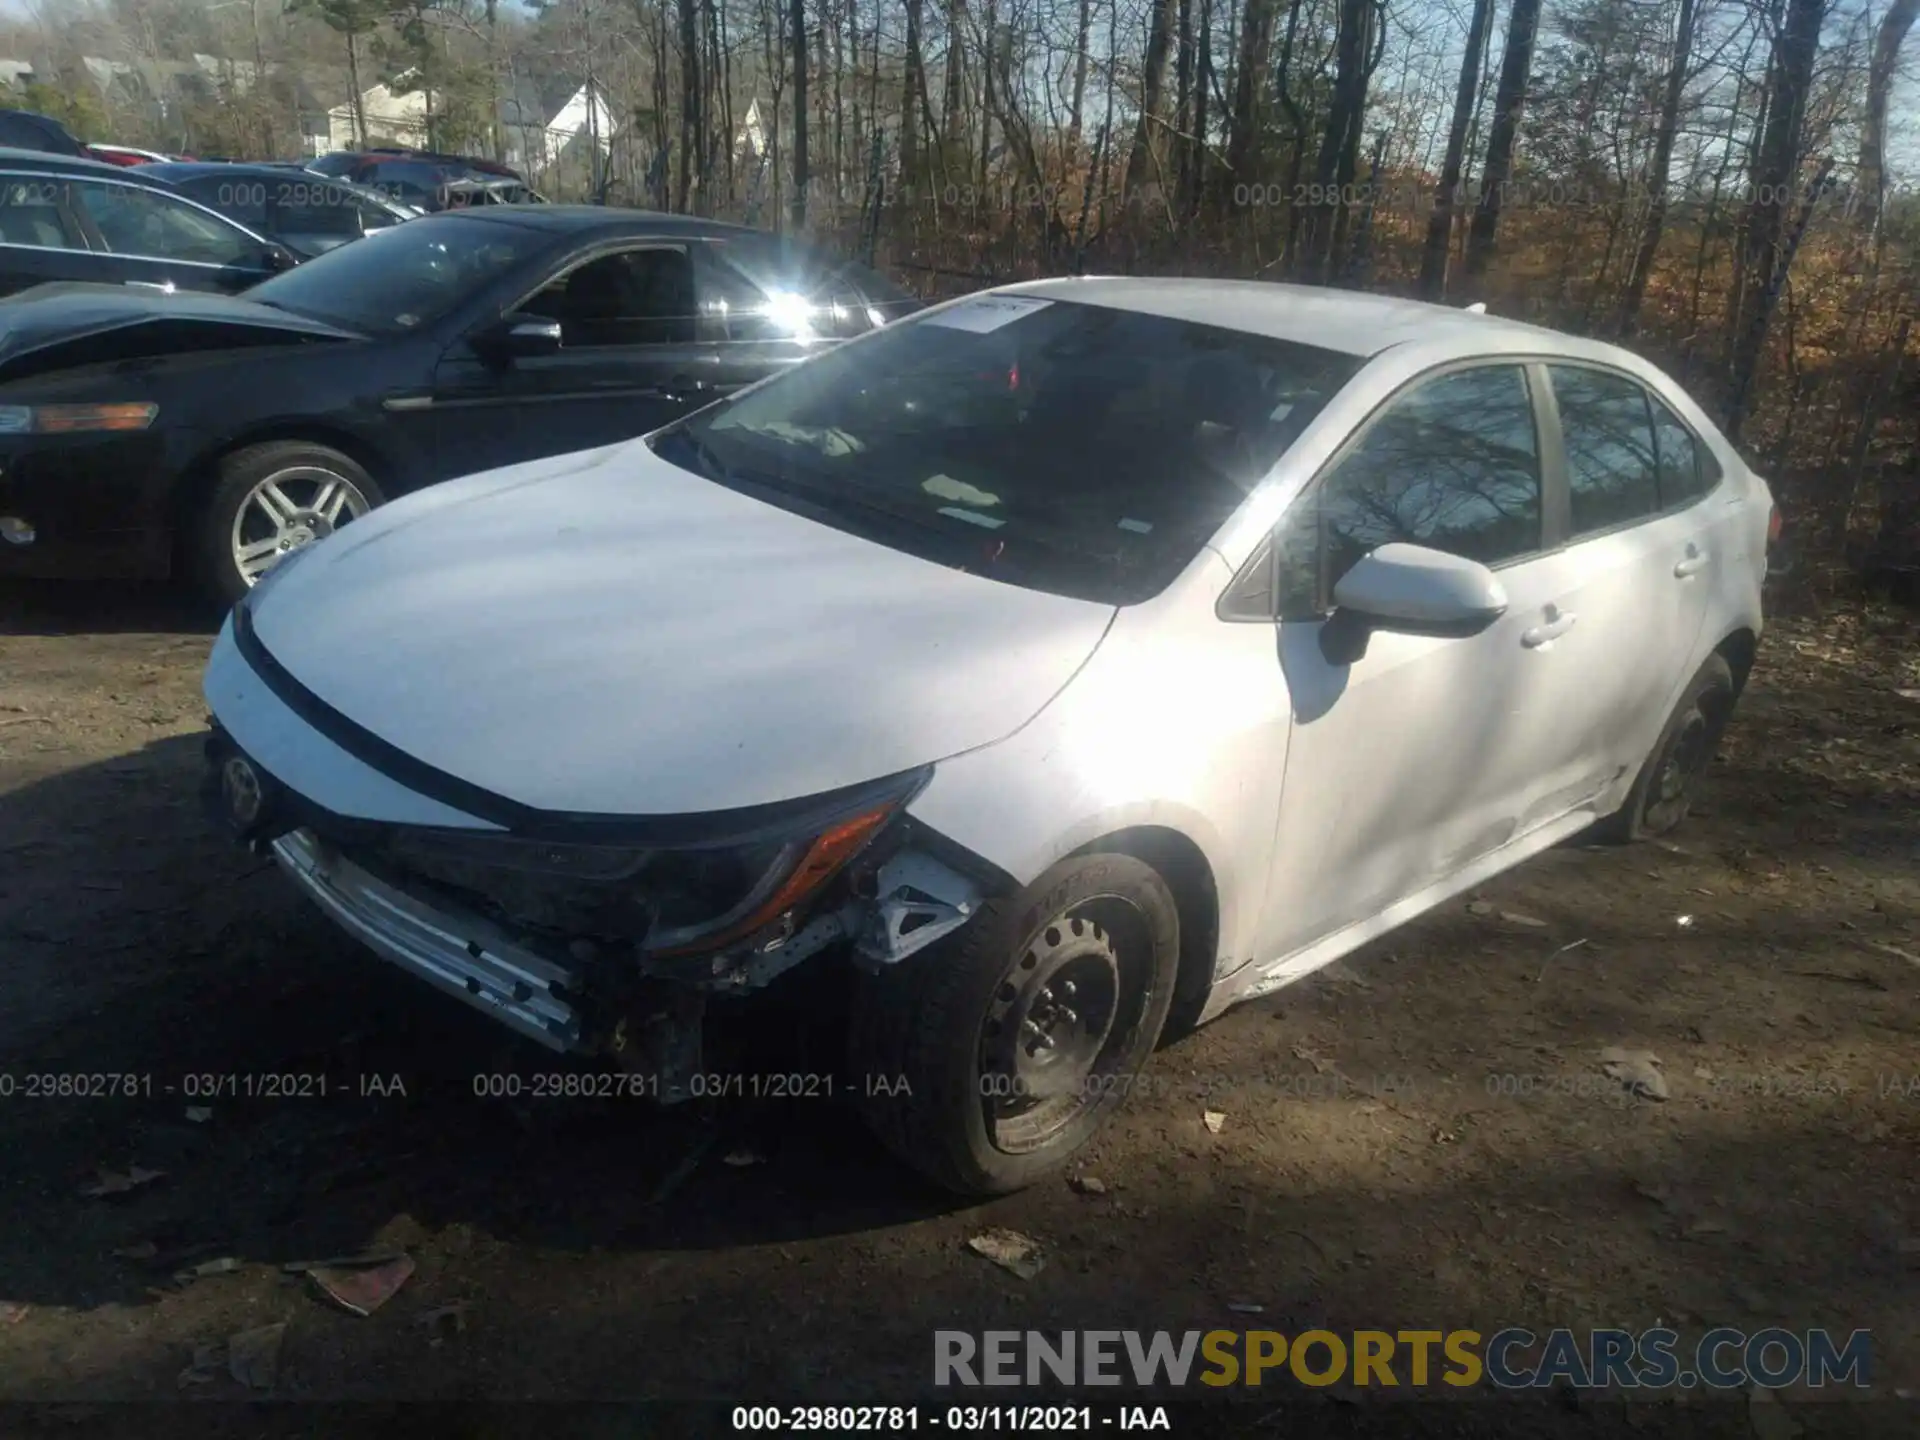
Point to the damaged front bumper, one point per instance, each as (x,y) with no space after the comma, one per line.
(464,955)
(581,994)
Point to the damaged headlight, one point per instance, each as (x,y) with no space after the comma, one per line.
(678,899)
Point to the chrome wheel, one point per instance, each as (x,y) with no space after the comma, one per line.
(288,509)
(1060,1023)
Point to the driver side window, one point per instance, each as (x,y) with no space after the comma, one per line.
(1452,464)
(642,296)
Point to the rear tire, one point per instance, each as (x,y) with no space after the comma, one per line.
(268,501)
(1663,791)
(989,1058)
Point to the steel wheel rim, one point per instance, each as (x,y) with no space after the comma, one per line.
(1680,764)
(288,509)
(1062,1021)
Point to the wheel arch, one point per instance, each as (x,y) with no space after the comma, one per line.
(1738,649)
(1179,861)
(199,475)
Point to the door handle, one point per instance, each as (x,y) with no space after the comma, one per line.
(1695,562)
(1547,633)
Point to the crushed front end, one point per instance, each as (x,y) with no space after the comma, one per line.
(605,937)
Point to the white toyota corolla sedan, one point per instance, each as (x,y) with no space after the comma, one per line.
(1071,661)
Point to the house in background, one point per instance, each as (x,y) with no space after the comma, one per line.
(15,73)
(540,125)
(584,115)
(750,138)
(392,118)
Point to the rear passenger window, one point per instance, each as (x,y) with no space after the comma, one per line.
(1612,476)
(34,212)
(1687,468)
(242,200)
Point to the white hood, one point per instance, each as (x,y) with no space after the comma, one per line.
(608,633)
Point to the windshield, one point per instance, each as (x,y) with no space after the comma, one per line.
(1066,447)
(401,278)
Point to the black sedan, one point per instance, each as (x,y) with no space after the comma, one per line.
(140,431)
(70,219)
(309,214)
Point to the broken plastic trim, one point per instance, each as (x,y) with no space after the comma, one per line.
(918,900)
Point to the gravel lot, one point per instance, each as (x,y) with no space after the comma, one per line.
(1420,1137)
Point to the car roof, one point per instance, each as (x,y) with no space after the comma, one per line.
(14,159)
(1348,321)
(194,169)
(611,219)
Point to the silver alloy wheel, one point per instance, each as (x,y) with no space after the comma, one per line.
(288,509)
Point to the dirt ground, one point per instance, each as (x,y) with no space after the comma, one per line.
(1417,1138)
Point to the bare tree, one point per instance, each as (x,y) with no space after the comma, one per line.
(913,90)
(1871,176)
(1433,260)
(1516,73)
(1771,236)
(1153,84)
(801,179)
(1658,170)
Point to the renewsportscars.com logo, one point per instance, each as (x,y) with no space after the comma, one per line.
(1510,1359)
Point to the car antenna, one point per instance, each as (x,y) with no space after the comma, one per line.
(1478,307)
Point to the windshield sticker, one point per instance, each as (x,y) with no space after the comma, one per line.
(986,312)
(1138,527)
(954,512)
(948,488)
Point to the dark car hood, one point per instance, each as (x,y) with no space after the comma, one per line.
(37,320)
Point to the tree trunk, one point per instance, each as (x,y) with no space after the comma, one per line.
(801,179)
(1153,85)
(1340,141)
(1433,259)
(1297,147)
(1776,172)
(689,100)
(1183,105)
(1256,41)
(986,92)
(1516,72)
(1075,111)
(912,89)
(839,110)
(718,106)
(1202,162)
(359,110)
(1658,169)
(953,100)
(1871,176)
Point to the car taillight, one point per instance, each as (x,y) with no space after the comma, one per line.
(1773,527)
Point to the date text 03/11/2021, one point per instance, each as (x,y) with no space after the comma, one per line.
(960,1419)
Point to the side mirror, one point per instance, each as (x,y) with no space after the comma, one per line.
(278,258)
(518,337)
(1411,590)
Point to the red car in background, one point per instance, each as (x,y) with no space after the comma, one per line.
(128,155)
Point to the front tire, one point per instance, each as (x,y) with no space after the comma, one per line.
(270,500)
(989,1058)
(1664,789)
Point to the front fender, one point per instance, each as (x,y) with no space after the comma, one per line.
(1178,721)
